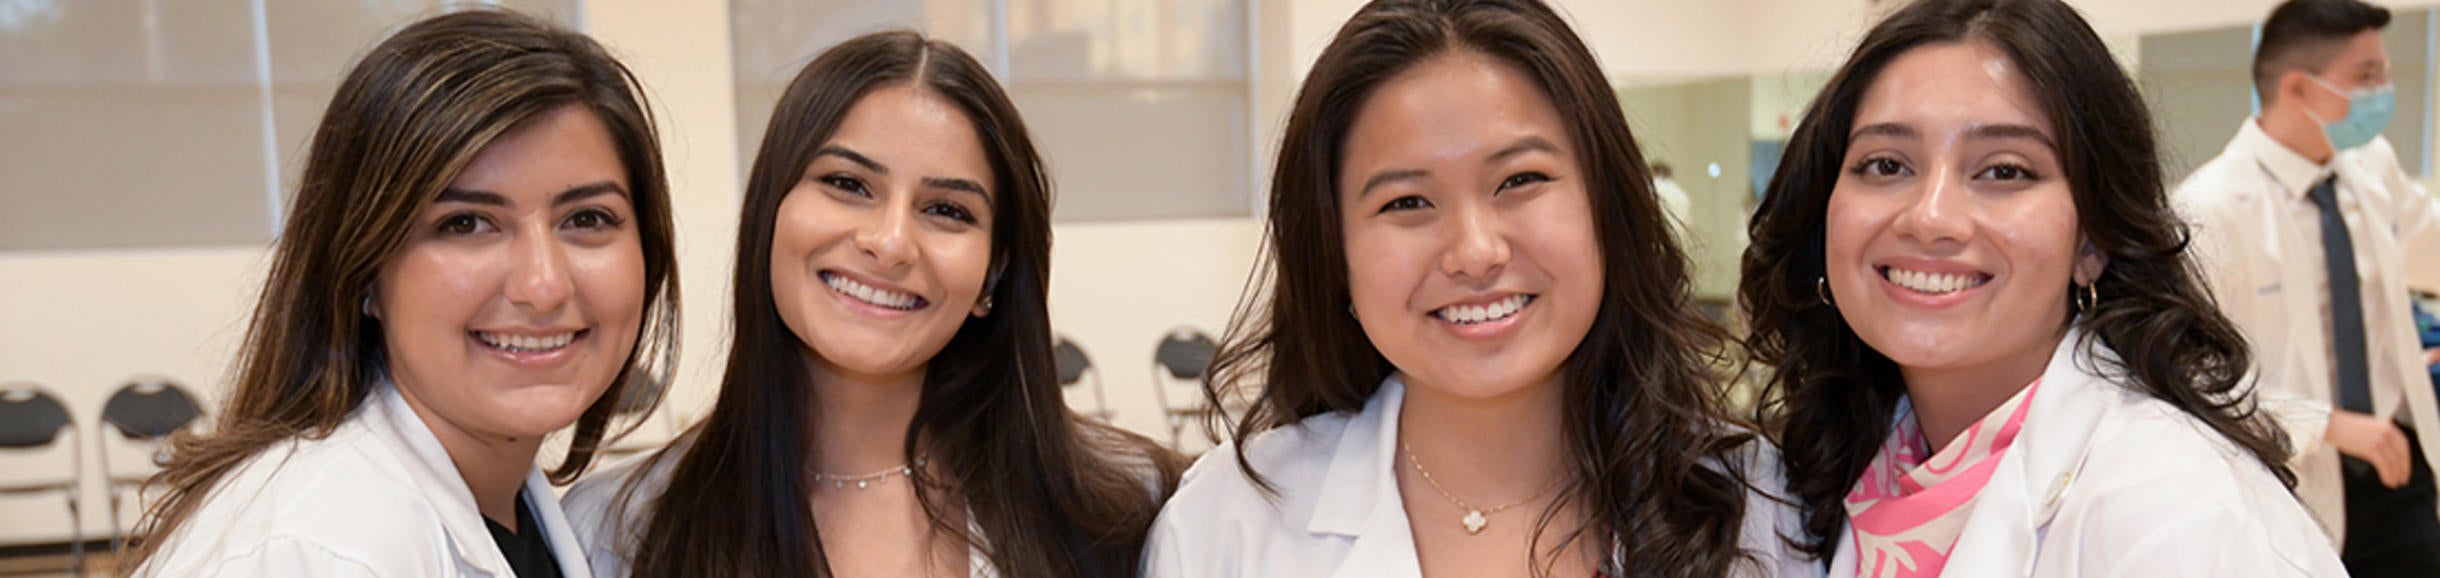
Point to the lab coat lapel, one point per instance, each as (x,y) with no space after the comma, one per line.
(1360,496)
(2003,534)
(436,477)
(564,547)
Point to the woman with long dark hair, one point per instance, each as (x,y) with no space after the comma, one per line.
(480,254)
(1992,352)
(1474,353)
(890,406)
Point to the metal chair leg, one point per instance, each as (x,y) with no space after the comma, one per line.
(76,534)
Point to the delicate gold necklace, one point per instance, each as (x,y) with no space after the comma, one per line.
(865,481)
(1475,517)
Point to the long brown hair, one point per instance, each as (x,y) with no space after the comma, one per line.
(1831,397)
(1045,488)
(407,119)
(1659,478)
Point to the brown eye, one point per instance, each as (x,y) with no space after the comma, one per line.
(462,224)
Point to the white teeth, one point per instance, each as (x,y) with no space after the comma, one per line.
(526,343)
(1493,311)
(1933,283)
(869,294)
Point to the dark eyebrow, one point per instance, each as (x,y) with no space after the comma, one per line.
(2010,131)
(1522,146)
(960,185)
(1387,177)
(851,156)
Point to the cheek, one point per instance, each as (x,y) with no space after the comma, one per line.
(1382,265)
(1847,225)
(611,279)
(429,289)
(2039,237)
(964,262)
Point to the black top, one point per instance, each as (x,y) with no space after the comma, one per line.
(529,554)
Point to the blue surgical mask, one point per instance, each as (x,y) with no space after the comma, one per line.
(2368,113)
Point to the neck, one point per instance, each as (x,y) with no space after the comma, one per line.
(1948,400)
(861,420)
(1486,451)
(493,466)
(2292,128)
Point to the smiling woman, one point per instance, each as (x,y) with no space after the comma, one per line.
(890,406)
(1991,353)
(480,256)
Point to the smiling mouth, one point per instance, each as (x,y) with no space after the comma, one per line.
(870,295)
(528,343)
(1933,283)
(1484,313)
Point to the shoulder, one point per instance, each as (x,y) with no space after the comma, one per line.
(307,502)
(2156,479)
(1218,497)
(608,508)
(2228,179)
(1152,466)
(1771,517)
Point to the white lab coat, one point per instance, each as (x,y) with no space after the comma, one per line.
(378,497)
(2105,481)
(2259,239)
(1338,512)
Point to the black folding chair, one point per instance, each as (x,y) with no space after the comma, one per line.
(144,412)
(1074,366)
(32,421)
(1179,363)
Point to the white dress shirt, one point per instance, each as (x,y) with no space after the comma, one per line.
(2106,481)
(1339,514)
(379,497)
(2258,236)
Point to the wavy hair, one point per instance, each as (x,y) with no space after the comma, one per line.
(1831,398)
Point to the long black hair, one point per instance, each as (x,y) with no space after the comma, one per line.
(1046,489)
(1831,397)
(1658,478)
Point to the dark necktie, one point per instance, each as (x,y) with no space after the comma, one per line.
(2346,303)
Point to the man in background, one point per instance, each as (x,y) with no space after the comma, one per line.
(2312,236)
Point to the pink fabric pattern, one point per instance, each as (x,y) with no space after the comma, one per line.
(1908,509)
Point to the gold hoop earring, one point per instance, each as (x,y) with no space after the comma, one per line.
(2085,301)
(1821,288)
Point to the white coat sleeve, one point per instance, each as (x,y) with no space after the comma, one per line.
(281,556)
(1165,557)
(2214,543)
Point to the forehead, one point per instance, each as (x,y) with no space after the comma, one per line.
(1954,86)
(1454,106)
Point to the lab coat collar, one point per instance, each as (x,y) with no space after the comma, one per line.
(430,469)
(1359,496)
(2003,533)
(1360,470)
(2296,175)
